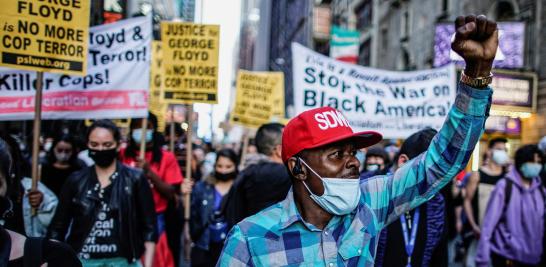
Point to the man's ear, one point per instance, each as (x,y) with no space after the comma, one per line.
(296,169)
(278,151)
(403,158)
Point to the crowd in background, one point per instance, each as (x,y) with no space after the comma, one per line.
(109,202)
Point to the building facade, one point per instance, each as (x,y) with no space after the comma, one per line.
(400,35)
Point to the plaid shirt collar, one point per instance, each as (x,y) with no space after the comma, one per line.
(354,225)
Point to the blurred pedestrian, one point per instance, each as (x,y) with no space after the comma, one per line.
(419,236)
(377,160)
(329,217)
(514,226)
(263,182)
(162,170)
(16,249)
(208,227)
(478,190)
(106,212)
(60,162)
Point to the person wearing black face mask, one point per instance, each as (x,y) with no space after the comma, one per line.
(106,211)
(208,228)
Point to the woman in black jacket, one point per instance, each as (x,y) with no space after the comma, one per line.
(108,207)
(207,228)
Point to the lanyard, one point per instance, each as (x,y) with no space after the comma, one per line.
(410,241)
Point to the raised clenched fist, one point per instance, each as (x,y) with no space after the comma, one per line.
(476,41)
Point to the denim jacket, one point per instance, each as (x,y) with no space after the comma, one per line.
(36,226)
(202,209)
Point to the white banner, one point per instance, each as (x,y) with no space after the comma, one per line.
(395,104)
(116,84)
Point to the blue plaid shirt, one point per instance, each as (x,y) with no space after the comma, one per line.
(278,235)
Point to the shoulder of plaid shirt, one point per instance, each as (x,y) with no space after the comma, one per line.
(278,236)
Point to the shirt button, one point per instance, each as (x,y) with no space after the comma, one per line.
(326,233)
(331,264)
(359,251)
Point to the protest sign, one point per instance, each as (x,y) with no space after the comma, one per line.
(260,98)
(45,35)
(190,62)
(396,104)
(156,105)
(116,85)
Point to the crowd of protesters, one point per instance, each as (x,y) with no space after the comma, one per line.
(300,194)
(118,210)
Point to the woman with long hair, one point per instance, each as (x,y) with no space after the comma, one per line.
(208,229)
(61,161)
(106,211)
(162,171)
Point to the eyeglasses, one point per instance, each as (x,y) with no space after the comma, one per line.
(65,150)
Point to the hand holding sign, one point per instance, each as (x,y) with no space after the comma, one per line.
(476,40)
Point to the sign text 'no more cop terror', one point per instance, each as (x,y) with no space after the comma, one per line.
(116,84)
(396,104)
(45,35)
(190,62)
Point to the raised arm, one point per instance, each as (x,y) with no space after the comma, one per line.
(418,180)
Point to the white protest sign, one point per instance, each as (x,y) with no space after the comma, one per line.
(395,104)
(116,84)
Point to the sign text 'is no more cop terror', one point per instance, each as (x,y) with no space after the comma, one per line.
(190,62)
(116,84)
(45,35)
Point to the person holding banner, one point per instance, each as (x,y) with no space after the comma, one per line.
(163,173)
(329,218)
(106,211)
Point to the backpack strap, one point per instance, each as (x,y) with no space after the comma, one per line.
(33,252)
(507,194)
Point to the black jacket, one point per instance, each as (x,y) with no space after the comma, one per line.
(257,187)
(131,196)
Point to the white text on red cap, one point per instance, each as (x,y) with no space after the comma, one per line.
(331,119)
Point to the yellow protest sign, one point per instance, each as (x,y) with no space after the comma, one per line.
(45,35)
(190,62)
(260,98)
(156,105)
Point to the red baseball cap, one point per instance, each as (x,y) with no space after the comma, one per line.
(318,127)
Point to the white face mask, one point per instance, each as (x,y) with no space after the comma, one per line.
(500,157)
(341,196)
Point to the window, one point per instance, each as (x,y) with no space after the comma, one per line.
(363,14)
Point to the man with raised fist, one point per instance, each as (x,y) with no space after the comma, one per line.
(329,218)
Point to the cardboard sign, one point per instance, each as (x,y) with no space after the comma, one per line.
(116,85)
(260,98)
(394,103)
(156,105)
(190,62)
(45,35)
